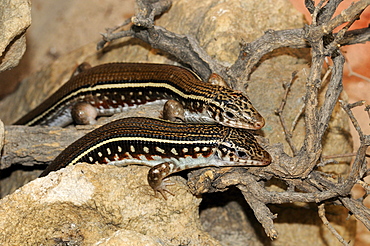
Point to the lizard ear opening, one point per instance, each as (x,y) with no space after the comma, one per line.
(241,154)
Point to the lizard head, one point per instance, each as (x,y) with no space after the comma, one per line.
(233,108)
(240,148)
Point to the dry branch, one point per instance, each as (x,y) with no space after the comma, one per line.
(279,112)
(40,147)
(187,50)
(326,222)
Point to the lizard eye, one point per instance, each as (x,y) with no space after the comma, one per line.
(231,111)
(230,115)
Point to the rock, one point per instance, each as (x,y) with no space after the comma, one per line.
(15,18)
(126,237)
(84,204)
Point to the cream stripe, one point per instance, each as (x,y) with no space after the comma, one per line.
(118,86)
(156,140)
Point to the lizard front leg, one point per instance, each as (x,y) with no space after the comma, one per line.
(157,178)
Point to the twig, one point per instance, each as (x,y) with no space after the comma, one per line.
(316,12)
(183,47)
(113,29)
(312,140)
(341,155)
(347,15)
(352,73)
(332,47)
(298,116)
(321,212)
(261,211)
(327,73)
(238,176)
(324,163)
(328,10)
(310,6)
(356,36)
(367,109)
(359,164)
(347,107)
(358,209)
(279,112)
(333,91)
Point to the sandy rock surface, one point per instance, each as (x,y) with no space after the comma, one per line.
(15,18)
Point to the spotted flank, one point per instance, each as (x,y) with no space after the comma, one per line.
(167,147)
(111,88)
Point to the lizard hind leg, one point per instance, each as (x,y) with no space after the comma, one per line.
(157,178)
(84,113)
(173,111)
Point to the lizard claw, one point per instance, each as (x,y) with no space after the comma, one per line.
(157,179)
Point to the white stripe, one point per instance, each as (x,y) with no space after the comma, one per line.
(117,86)
(74,161)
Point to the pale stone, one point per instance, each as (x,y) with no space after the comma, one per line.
(86,203)
(129,238)
(15,18)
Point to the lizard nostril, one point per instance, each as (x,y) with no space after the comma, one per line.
(259,124)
